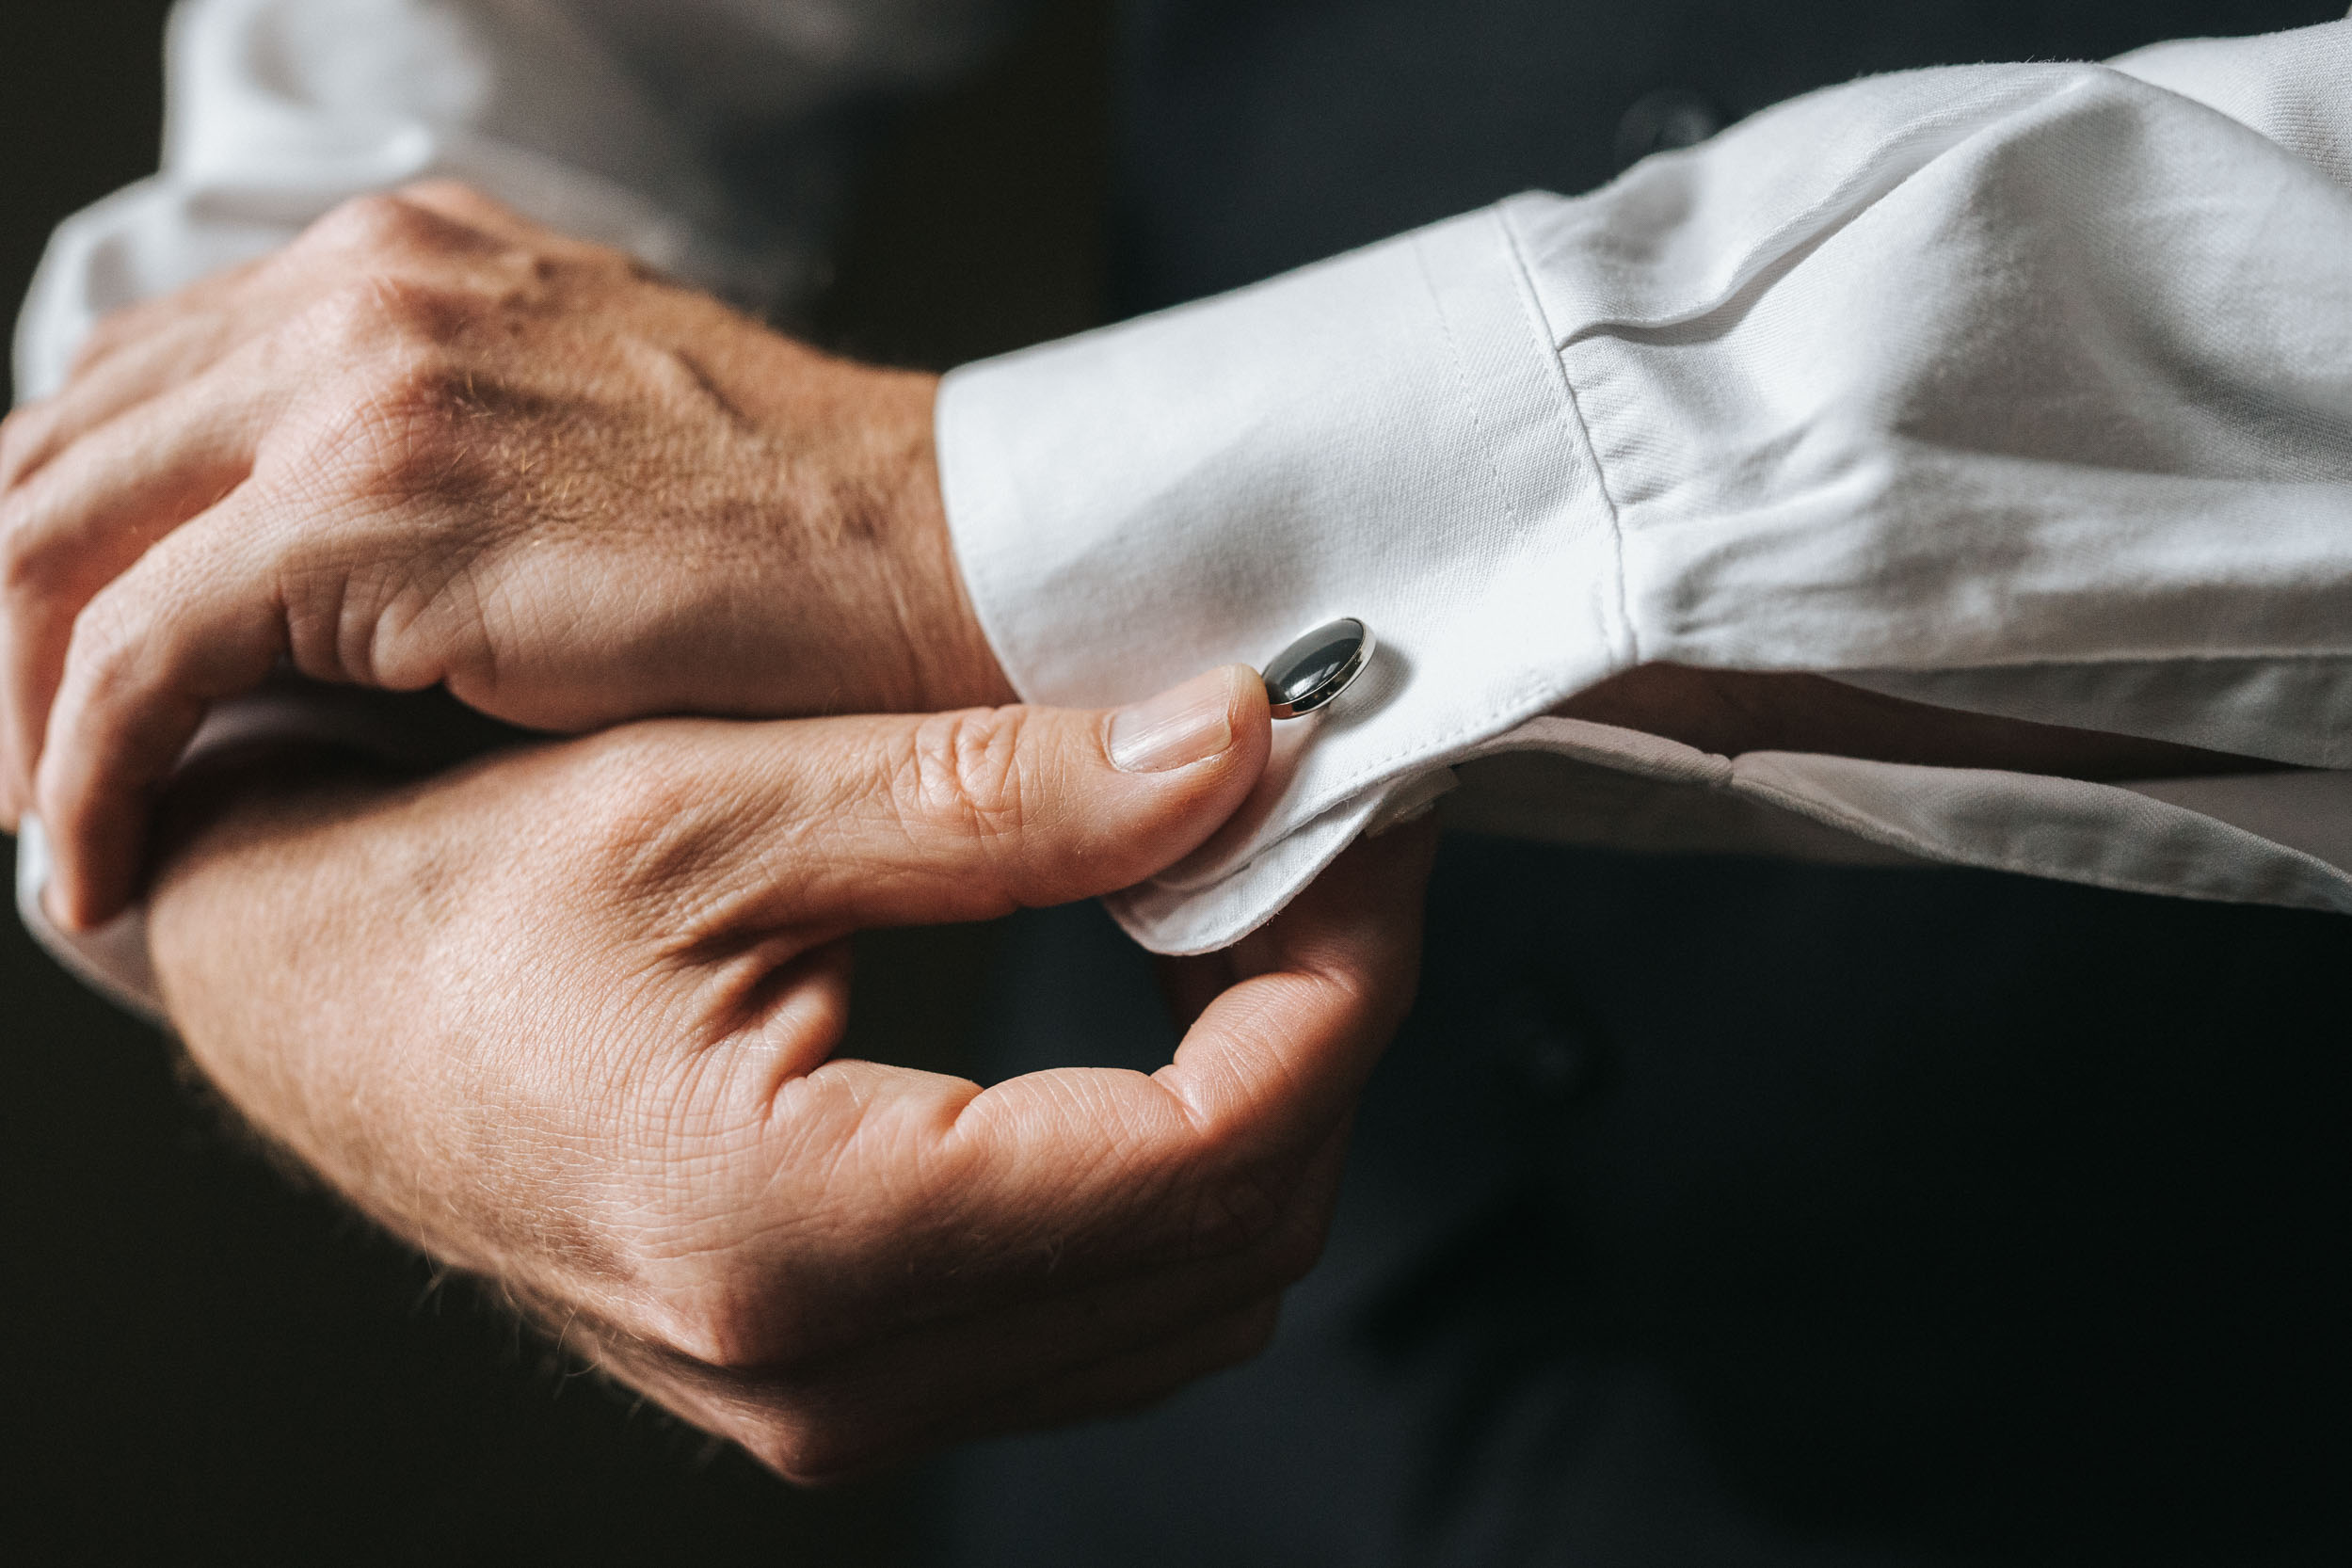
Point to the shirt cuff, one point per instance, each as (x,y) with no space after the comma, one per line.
(1387,434)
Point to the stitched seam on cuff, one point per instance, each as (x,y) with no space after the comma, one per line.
(1531,303)
(1533,692)
(1465,388)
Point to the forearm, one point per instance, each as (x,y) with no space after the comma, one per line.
(290,926)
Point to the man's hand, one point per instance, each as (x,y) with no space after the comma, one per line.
(432,444)
(566,1020)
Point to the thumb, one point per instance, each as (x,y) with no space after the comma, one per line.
(899,820)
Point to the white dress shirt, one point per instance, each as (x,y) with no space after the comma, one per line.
(2025,389)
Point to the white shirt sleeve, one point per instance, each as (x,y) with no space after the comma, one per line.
(2023,389)
(707,137)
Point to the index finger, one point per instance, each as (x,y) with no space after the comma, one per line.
(1195,1159)
(898,1196)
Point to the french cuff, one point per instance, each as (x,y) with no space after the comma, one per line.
(1387,434)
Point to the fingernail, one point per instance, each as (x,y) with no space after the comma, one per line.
(1181,726)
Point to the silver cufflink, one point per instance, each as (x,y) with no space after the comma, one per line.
(1314,670)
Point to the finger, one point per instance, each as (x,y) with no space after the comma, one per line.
(471,213)
(1209,1150)
(196,620)
(806,1443)
(1329,980)
(146,349)
(878,1400)
(84,520)
(462,205)
(906,820)
(952,1296)
(213,296)
(1188,985)
(179,352)
(36,432)
(1100,1168)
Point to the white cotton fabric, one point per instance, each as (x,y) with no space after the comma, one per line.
(2019,389)
(623,122)
(618,120)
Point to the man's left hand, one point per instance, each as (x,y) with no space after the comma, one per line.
(567,1018)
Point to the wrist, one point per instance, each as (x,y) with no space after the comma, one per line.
(225,864)
(884,623)
(958,669)
(942,657)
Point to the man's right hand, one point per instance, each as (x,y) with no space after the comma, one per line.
(433,443)
(567,1019)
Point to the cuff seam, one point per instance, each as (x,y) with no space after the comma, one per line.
(1547,332)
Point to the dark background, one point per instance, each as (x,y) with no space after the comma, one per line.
(208,1364)
(204,1363)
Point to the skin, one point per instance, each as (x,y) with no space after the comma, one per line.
(433,444)
(567,1019)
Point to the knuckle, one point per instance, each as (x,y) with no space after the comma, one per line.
(109,637)
(119,328)
(380,316)
(21,433)
(26,569)
(647,834)
(449,195)
(625,809)
(963,773)
(379,223)
(404,428)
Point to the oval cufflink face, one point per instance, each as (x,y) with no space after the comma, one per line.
(1314,670)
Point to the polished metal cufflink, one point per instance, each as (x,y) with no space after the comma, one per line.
(1314,670)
